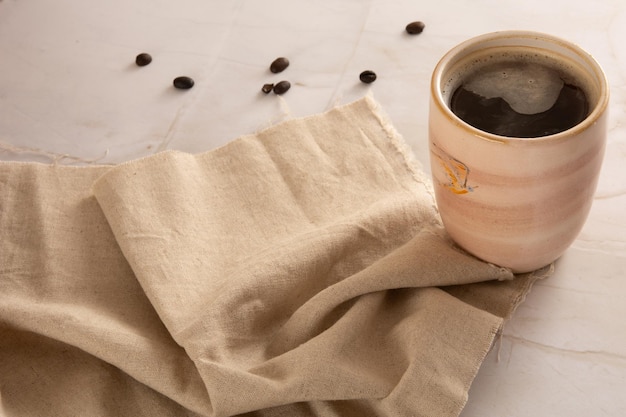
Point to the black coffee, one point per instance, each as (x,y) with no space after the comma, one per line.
(520,100)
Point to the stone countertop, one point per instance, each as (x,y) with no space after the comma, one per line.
(71,93)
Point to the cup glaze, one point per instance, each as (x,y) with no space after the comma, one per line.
(518,203)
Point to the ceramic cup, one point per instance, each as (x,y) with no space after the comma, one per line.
(517,202)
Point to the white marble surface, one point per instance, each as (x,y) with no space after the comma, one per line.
(70,93)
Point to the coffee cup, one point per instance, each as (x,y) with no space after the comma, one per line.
(517,132)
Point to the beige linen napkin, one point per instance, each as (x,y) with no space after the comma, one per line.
(300,271)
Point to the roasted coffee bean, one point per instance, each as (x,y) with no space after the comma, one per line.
(415,28)
(282,87)
(143,59)
(184,83)
(279,65)
(368,76)
(267,88)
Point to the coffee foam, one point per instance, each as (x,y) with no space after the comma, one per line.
(529,88)
(528,79)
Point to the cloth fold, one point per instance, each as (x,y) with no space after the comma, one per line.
(302,270)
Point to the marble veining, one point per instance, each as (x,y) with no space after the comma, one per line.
(71,94)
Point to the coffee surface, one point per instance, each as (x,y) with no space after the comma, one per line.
(519,100)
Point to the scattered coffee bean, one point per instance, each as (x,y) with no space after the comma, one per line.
(267,88)
(183,83)
(415,28)
(282,87)
(368,76)
(279,65)
(143,59)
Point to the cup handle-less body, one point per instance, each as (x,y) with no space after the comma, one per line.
(517,203)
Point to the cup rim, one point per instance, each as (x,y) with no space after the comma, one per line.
(449,58)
